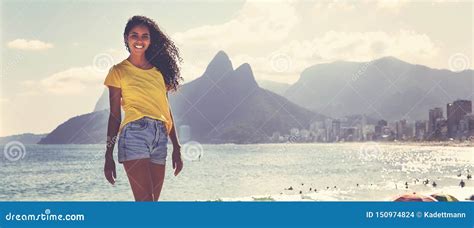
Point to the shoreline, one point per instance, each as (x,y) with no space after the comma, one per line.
(442,144)
(393,143)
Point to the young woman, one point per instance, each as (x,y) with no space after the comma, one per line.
(140,84)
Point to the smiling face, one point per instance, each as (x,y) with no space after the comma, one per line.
(138,39)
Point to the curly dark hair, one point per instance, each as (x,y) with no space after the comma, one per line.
(162,53)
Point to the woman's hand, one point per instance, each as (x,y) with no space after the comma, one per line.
(176,160)
(109,169)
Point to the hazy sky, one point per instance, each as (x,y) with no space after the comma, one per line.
(55,54)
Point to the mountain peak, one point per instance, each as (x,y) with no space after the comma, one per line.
(244,72)
(103,102)
(389,59)
(222,54)
(245,67)
(219,65)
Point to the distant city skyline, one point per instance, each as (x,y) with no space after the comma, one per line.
(458,125)
(55,54)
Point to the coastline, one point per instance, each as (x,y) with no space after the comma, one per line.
(440,143)
(392,143)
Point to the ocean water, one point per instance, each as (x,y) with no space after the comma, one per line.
(339,172)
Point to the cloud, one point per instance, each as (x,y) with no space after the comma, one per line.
(297,55)
(253,29)
(72,81)
(339,5)
(383,5)
(391,4)
(359,46)
(77,80)
(29,45)
(252,26)
(4,100)
(259,31)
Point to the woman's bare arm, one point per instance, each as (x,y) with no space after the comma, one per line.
(176,156)
(115,118)
(173,134)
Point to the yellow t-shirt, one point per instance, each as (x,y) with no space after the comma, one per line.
(143,93)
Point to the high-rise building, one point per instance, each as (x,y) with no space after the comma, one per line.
(349,134)
(441,129)
(401,129)
(420,130)
(455,112)
(436,113)
(336,130)
(387,133)
(466,125)
(328,128)
(379,129)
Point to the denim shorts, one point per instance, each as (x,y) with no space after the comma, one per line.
(143,138)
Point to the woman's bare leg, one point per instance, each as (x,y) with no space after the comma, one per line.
(157,173)
(138,172)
